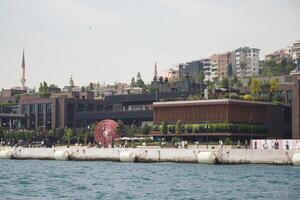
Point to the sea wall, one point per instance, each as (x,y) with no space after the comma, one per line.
(222,156)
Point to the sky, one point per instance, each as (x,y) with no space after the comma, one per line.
(111,41)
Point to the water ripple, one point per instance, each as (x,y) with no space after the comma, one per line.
(34,179)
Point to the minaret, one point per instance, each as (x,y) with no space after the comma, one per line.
(23,79)
(155,72)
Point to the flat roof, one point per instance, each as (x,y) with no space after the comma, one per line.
(209,102)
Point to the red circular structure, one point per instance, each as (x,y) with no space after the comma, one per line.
(105,132)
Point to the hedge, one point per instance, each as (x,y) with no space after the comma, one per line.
(218,128)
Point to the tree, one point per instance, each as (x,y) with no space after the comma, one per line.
(201,77)
(41,88)
(274,85)
(82,89)
(68,134)
(132,82)
(255,87)
(91,86)
(163,128)
(138,76)
(53,86)
(178,127)
(120,128)
(45,87)
(139,82)
(145,129)
(224,82)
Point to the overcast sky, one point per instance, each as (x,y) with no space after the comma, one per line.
(106,41)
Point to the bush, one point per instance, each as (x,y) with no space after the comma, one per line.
(248,97)
(188,128)
(171,128)
(196,128)
(163,128)
(178,128)
(227,141)
(156,128)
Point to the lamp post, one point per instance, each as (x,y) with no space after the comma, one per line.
(206,128)
(250,123)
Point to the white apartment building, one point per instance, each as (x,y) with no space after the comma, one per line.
(296,51)
(247,62)
(207,69)
(214,67)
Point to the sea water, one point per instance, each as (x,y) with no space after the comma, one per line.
(41,179)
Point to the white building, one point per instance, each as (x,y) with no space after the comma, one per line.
(247,62)
(207,69)
(214,66)
(172,73)
(296,51)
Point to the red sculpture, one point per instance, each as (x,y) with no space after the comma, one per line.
(105,132)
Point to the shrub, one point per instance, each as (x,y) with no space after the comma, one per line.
(227,141)
(189,128)
(248,97)
(163,128)
(196,128)
(178,128)
(201,128)
(156,128)
(171,128)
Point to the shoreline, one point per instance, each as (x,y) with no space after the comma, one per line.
(147,155)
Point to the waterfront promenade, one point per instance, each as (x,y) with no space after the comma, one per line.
(155,154)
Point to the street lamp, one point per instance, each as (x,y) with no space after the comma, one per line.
(250,123)
(206,128)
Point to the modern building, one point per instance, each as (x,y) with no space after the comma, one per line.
(274,117)
(247,62)
(191,69)
(80,109)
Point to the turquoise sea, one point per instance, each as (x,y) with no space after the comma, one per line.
(36,179)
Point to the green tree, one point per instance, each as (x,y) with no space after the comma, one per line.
(146,129)
(224,82)
(274,85)
(255,87)
(120,128)
(41,88)
(132,82)
(201,77)
(45,87)
(139,81)
(68,134)
(163,128)
(82,89)
(178,127)
(91,86)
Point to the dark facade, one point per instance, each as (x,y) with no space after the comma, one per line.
(274,117)
(191,69)
(81,110)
